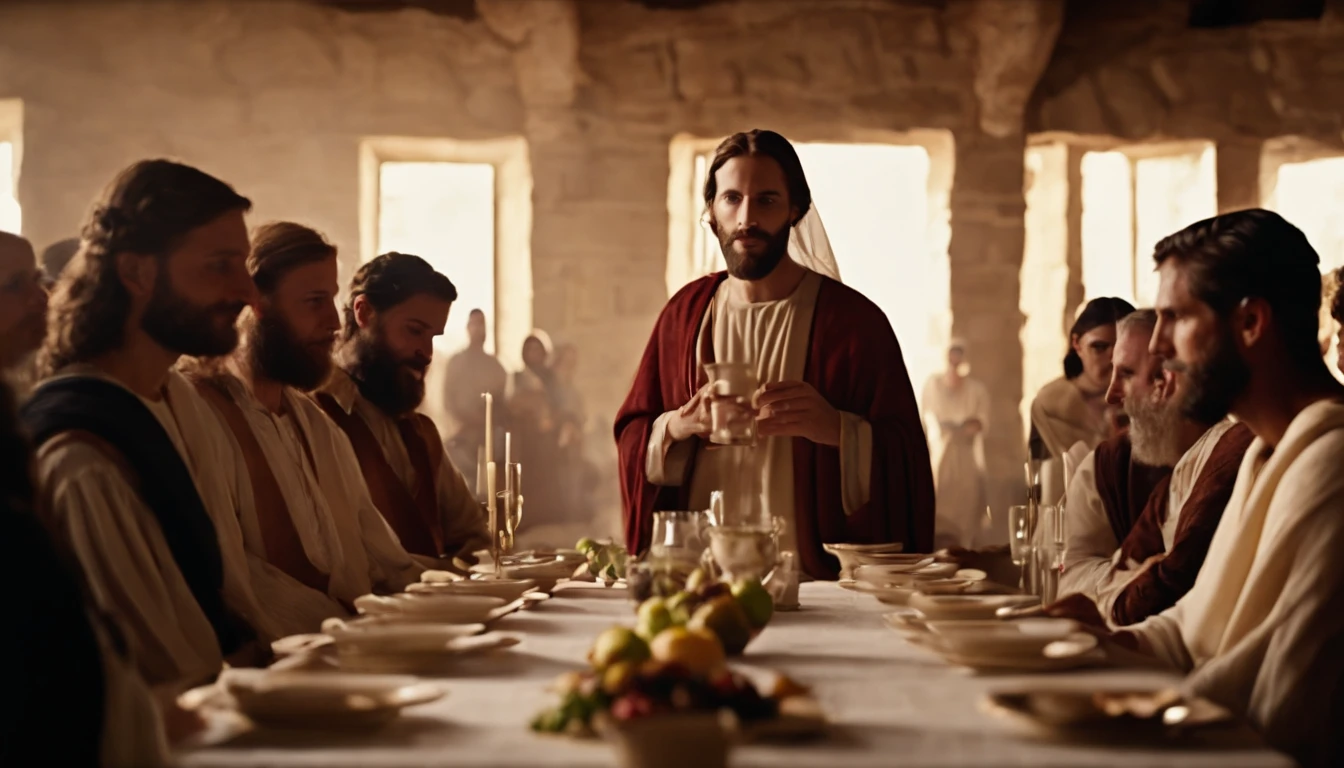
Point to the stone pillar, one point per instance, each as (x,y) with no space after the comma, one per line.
(1013,42)
(1238,172)
(988,233)
(1074,290)
(599,221)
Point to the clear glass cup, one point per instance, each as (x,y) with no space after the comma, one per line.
(509,503)
(1022,543)
(1020,533)
(745,551)
(732,421)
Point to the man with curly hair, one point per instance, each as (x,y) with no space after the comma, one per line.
(132,464)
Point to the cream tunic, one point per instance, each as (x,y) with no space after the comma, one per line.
(464,524)
(119,543)
(341,530)
(1262,628)
(775,336)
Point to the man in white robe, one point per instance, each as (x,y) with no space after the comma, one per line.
(323,526)
(1262,630)
(162,275)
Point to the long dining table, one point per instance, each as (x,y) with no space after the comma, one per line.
(888,703)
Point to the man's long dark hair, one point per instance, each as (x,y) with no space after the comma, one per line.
(759,143)
(147,209)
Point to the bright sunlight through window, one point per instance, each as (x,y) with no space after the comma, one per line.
(1310,194)
(445,213)
(1132,200)
(11,218)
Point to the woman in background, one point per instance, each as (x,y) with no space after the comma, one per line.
(959,406)
(1072,409)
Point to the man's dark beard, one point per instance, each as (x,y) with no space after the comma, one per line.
(280,356)
(186,328)
(384,380)
(749,267)
(1215,384)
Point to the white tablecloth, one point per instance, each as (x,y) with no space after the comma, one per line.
(889,703)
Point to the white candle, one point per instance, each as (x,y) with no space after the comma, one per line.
(490,492)
(489,429)
(480,471)
(508,449)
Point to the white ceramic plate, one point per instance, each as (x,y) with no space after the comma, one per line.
(323,700)
(1027,637)
(442,661)
(1078,650)
(505,589)
(396,638)
(900,595)
(441,608)
(961,607)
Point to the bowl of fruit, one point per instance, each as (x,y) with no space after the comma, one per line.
(668,680)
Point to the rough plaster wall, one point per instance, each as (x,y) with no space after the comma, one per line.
(272,97)
(1134,71)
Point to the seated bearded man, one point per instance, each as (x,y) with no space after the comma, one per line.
(398,303)
(1260,632)
(310,513)
(1157,561)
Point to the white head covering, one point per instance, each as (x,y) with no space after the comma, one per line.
(809,246)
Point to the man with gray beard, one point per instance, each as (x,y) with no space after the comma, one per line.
(1158,560)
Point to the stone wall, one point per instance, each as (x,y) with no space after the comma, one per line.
(1135,71)
(276,97)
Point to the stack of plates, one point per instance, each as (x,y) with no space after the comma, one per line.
(544,573)
(436,608)
(852,556)
(505,589)
(371,646)
(963,630)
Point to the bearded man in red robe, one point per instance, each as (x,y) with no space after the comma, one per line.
(840,454)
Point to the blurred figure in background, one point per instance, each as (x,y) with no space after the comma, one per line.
(470,373)
(23,311)
(959,406)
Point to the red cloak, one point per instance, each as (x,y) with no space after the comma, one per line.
(855,362)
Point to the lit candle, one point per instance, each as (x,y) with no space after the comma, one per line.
(508,449)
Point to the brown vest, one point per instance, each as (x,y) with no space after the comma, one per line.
(279,538)
(412,513)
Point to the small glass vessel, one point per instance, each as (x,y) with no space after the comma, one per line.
(675,550)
